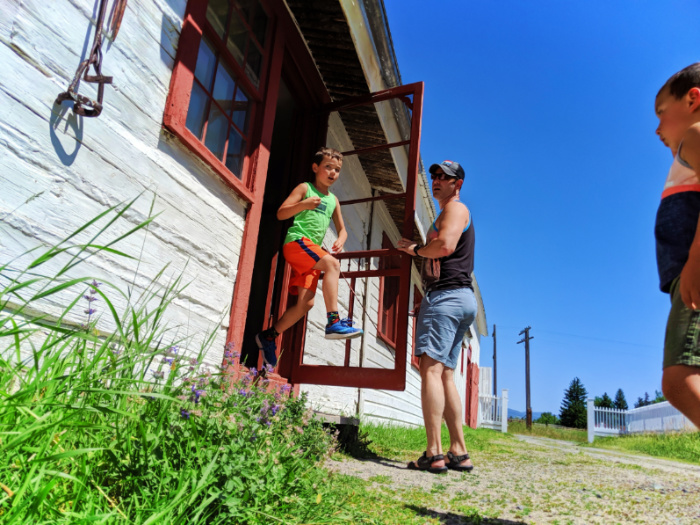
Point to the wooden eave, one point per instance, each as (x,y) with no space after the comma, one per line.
(326,32)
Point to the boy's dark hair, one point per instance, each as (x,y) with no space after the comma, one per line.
(327,152)
(683,81)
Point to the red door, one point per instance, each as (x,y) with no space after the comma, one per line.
(292,363)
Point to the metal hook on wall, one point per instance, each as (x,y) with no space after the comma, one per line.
(83,105)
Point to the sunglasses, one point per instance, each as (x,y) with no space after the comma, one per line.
(441,176)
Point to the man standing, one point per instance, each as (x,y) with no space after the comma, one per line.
(446,312)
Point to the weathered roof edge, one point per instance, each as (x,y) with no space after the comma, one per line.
(374,17)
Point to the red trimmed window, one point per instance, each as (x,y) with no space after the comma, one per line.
(388,297)
(417,299)
(217,84)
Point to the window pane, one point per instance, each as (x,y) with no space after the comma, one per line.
(206,60)
(197,110)
(217,127)
(216,14)
(259,24)
(237,36)
(223,87)
(235,153)
(241,109)
(253,64)
(245,6)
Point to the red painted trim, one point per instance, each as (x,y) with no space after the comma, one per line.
(680,189)
(246,263)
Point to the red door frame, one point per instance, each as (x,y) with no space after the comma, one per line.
(357,376)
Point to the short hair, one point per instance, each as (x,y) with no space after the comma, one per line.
(327,152)
(683,81)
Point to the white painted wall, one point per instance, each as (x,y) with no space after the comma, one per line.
(59,170)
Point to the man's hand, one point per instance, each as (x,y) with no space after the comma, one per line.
(690,279)
(406,245)
(311,203)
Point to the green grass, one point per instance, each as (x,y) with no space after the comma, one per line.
(408,443)
(518,426)
(127,425)
(681,446)
(378,501)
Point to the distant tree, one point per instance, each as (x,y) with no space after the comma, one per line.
(547,418)
(620,401)
(607,402)
(604,401)
(573,407)
(658,397)
(642,402)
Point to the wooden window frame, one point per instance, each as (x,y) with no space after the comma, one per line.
(194,27)
(382,332)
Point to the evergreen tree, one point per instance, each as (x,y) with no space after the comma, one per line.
(605,401)
(573,407)
(659,397)
(620,401)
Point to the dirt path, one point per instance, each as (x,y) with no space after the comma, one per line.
(539,480)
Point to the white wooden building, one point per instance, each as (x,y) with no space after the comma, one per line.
(214,112)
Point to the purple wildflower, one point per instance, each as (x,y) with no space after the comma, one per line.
(274,409)
(243,392)
(286,388)
(196,394)
(90,298)
(90,311)
(184,414)
(269,369)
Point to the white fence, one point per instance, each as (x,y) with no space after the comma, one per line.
(659,417)
(493,411)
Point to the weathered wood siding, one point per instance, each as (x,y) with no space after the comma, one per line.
(60,170)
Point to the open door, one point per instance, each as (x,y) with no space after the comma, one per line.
(355,265)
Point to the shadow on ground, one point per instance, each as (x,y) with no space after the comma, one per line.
(450,518)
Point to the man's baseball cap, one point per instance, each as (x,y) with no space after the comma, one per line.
(453,169)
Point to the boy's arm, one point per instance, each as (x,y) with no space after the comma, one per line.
(296,203)
(454,218)
(340,228)
(690,276)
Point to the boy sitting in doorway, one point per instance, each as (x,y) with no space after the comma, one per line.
(313,206)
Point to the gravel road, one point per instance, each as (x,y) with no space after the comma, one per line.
(540,480)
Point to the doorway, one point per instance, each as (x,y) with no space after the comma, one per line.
(283,174)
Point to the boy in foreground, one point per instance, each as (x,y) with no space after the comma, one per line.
(677,234)
(313,206)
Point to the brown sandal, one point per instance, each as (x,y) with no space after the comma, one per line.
(426,463)
(454,463)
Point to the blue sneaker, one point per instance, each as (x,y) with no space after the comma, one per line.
(342,330)
(268,348)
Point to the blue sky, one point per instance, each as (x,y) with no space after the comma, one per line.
(549,107)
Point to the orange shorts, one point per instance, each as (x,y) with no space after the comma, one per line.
(302,255)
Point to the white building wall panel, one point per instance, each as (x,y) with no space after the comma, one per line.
(59,170)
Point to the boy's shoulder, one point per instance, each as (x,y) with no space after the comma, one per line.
(691,146)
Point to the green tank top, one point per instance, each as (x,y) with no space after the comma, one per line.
(312,224)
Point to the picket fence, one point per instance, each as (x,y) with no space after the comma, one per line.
(659,417)
(493,411)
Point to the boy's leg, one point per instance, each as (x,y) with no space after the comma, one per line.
(330,266)
(432,402)
(305,301)
(681,377)
(681,386)
(266,339)
(453,416)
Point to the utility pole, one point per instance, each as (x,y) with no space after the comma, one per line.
(528,409)
(495,375)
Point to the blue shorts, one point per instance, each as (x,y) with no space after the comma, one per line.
(443,319)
